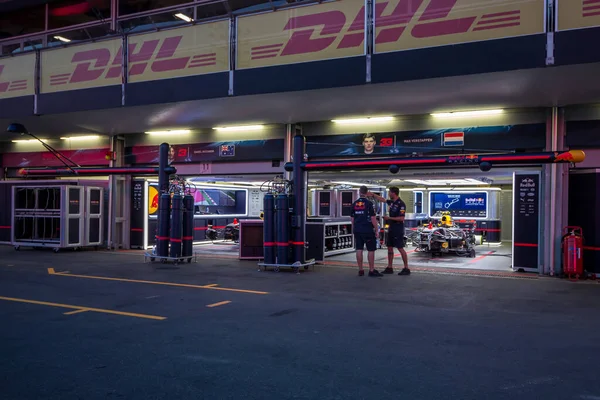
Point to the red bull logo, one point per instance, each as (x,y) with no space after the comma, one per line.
(572,156)
(152,200)
(564,157)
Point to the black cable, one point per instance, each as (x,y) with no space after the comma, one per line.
(61,157)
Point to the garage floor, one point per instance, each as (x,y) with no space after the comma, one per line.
(488,257)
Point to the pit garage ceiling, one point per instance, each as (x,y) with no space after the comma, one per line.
(553,86)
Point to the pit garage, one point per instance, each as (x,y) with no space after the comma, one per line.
(470,213)
(480,208)
(454,219)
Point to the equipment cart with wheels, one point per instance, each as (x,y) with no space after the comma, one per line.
(57,216)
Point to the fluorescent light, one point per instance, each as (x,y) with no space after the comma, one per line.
(239,128)
(173,132)
(28,140)
(62,39)
(183,17)
(89,137)
(362,120)
(356,183)
(445,182)
(478,113)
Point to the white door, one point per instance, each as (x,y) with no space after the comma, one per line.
(73,216)
(94,197)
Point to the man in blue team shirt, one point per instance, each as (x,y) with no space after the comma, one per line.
(364,226)
(395,237)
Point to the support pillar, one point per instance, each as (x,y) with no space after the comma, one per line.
(119,187)
(555,195)
(287,151)
(300,197)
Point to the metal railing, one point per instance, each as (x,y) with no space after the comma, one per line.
(115,19)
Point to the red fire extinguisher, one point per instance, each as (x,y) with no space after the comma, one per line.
(572,246)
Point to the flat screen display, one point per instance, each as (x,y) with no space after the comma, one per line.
(214,197)
(460,204)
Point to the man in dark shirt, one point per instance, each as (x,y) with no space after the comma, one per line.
(395,237)
(364,226)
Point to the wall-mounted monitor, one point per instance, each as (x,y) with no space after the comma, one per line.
(470,205)
(210,201)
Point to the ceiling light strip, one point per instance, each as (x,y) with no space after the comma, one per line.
(173,132)
(88,137)
(366,120)
(239,128)
(476,113)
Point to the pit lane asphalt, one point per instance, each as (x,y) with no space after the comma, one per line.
(323,334)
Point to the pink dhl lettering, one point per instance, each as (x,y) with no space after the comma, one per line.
(156,54)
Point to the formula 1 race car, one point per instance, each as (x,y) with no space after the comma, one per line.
(230,232)
(443,235)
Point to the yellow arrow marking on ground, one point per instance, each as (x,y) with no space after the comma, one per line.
(82,309)
(221,303)
(51,271)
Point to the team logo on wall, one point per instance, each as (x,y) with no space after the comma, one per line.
(152,200)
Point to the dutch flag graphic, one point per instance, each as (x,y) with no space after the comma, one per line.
(454,139)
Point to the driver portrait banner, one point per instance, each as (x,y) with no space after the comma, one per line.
(440,141)
(231,151)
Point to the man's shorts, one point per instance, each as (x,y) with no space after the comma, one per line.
(395,238)
(362,239)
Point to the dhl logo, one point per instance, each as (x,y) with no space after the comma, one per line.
(590,8)
(155,54)
(392,22)
(11,86)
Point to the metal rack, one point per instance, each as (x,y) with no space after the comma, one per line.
(329,237)
(57,216)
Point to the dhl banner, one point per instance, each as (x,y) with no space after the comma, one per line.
(309,33)
(81,66)
(414,24)
(194,50)
(17,76)
(576,14)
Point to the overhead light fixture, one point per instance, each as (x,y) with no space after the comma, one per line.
(239,128)
(183,17)
(366,120)
(173,132)
(28,140)
(88,137)
(62,39)
(445,182)
(478,113)
(354,183)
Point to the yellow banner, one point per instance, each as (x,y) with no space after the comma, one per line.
(194,50)
(17,76)
(575,14)
(81,66)
(295,35)
(414,24)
